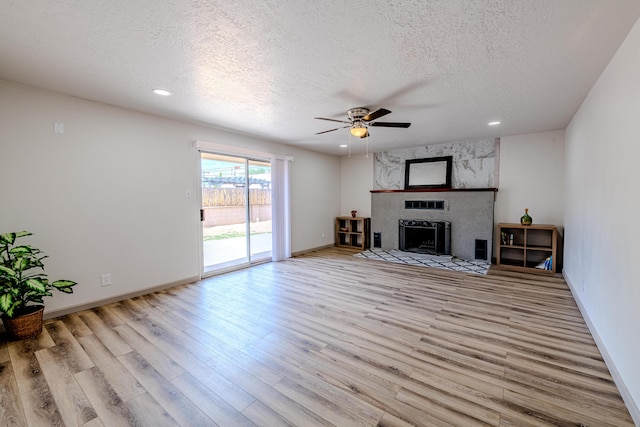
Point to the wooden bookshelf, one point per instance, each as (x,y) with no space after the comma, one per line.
(354,232)
(525,247)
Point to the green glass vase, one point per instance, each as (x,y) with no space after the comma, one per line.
(526,219)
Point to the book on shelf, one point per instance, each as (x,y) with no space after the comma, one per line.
(546,264)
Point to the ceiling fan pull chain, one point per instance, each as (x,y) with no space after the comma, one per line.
(367,144)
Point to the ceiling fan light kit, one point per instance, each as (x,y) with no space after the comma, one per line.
(359,129)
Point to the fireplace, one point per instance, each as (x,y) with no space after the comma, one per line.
(469,211)
(425,236)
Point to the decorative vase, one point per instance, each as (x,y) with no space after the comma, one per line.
(526,219)
(27,325)
(353,213)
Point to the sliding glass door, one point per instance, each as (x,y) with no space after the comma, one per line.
(259,178)
(235,211)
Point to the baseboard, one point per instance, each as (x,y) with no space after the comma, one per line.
(98,303)
(632,406)
(306,251)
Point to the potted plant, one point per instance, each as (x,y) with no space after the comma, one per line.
(23,285)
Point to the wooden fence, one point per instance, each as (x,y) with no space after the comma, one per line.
(215,197)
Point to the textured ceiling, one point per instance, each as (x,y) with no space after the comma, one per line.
(267,68)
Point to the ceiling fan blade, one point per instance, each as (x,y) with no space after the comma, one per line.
(366,135)
(331,130)
(390,124)
(331,120)
(393,97)
(376,114)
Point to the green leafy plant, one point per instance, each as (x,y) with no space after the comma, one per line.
(22,277)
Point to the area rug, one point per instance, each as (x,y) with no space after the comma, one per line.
(445,262)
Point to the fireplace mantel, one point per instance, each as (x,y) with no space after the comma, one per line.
(435,190)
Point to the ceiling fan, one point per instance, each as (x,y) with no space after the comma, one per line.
(361,118)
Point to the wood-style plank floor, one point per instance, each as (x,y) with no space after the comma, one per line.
(319,340)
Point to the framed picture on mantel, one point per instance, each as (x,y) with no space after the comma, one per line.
(434,172)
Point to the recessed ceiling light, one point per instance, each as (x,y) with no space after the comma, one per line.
(343,145)
(161,92)
(496,123)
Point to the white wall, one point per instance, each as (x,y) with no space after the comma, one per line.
(315,200)
(531,176)
(602,230)
(356,184)
(108,195)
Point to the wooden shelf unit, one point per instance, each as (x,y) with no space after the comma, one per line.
(353,232)
(531,245)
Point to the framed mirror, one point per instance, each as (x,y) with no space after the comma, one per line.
(434,172)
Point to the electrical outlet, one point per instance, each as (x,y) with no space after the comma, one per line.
(323,235)
(105,279)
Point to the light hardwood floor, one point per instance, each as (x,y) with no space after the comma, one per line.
(321,339)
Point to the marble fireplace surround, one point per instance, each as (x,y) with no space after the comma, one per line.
(470,212)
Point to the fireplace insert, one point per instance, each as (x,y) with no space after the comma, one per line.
(425,236)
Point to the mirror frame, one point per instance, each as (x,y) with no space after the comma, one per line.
(434,172)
